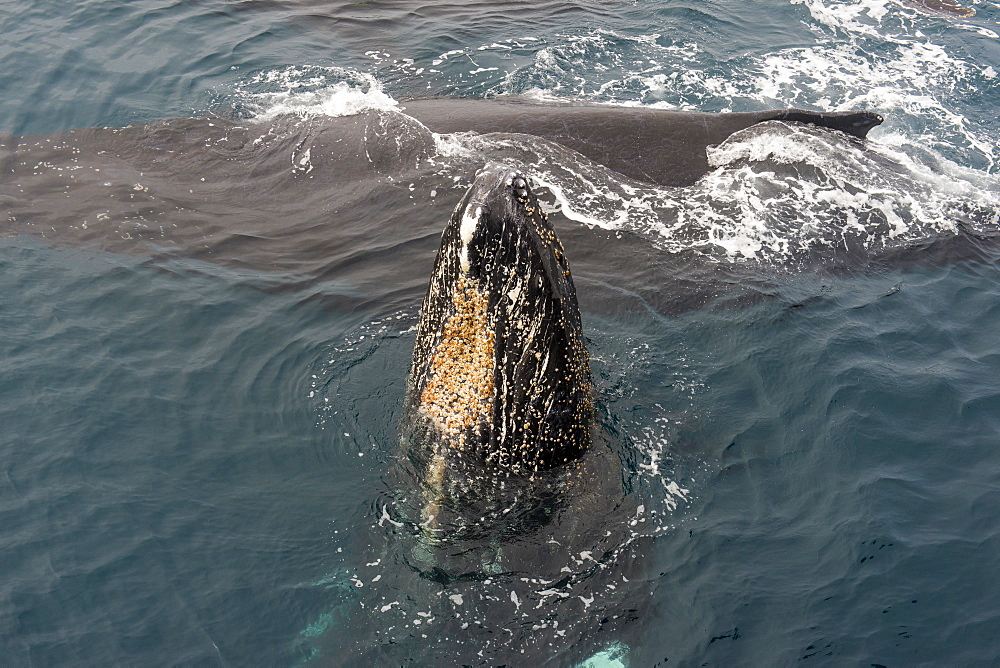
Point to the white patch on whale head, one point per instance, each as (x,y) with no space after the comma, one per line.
(470,220)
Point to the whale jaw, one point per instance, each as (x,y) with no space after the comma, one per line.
(500,382)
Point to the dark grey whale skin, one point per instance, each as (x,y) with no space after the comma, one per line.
(654,145)
(541,401)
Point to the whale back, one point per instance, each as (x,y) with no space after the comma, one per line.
(658,146)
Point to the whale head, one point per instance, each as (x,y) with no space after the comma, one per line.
(500,383)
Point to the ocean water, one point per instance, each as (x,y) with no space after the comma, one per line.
(207,311)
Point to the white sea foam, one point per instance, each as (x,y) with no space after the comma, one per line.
(861,17)
(927,168)
(313,91)
(869,54)
(774,192)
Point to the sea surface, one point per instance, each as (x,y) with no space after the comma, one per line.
(207,312)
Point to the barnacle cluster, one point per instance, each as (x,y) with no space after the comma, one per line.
(459,390)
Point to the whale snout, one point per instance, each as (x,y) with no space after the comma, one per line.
(500,370)
(484,214)
(503,231)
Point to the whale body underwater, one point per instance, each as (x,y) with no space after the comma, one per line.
(662,147)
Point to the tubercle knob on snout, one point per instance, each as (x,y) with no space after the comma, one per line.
(520,185)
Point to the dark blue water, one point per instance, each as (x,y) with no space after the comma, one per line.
(198,451)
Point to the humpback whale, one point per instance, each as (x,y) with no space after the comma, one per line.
(258,194)
(500,381)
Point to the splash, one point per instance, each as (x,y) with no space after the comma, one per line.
(776,192)
(868,54)
(312,91)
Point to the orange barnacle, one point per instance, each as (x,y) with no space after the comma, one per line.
(459,388)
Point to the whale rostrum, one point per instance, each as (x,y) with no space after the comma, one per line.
(500,382)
